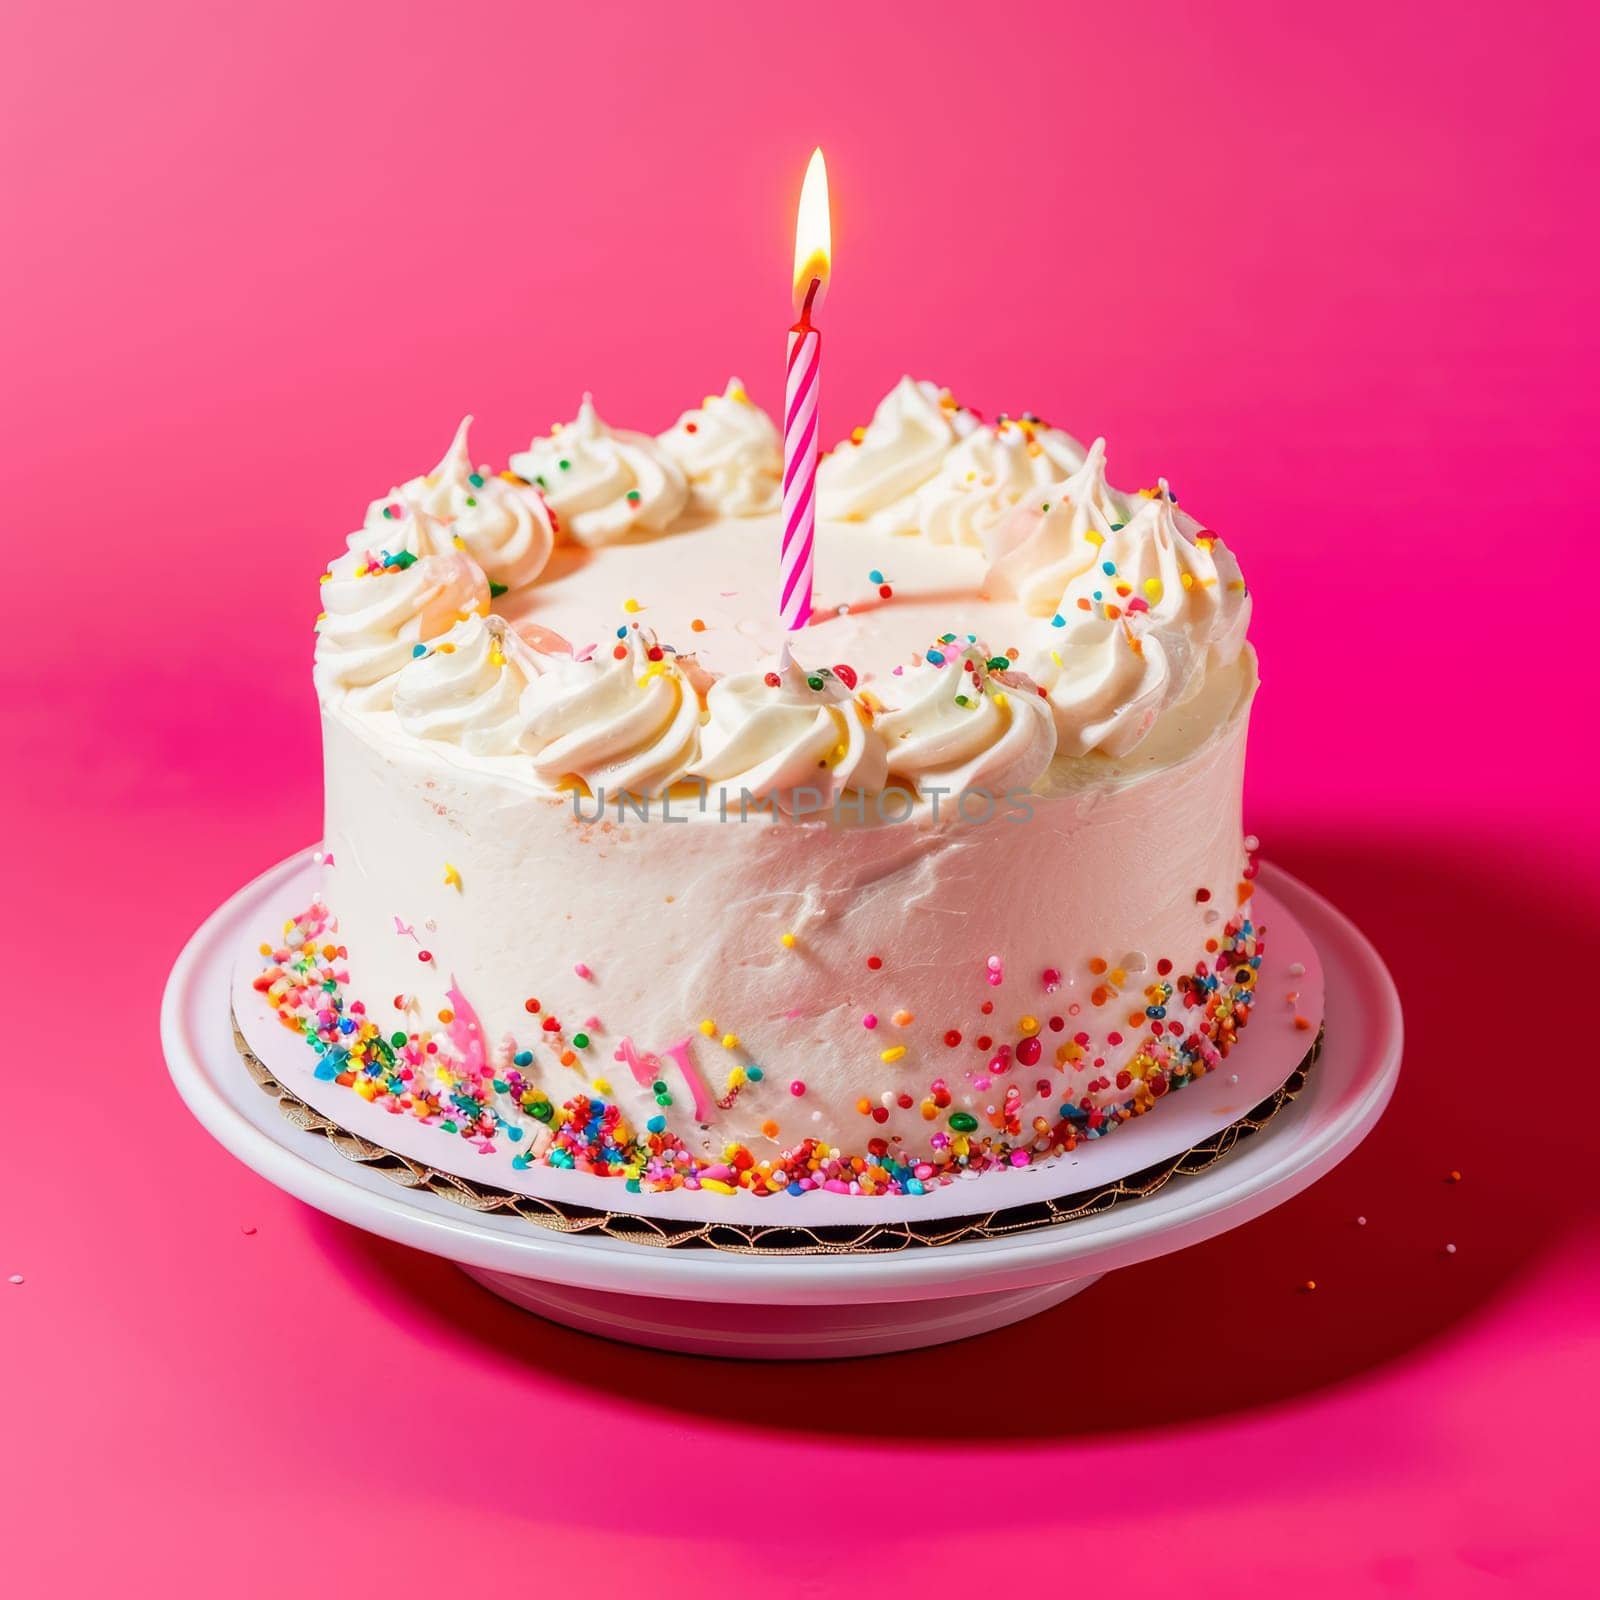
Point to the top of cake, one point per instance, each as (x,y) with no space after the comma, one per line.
(989,611)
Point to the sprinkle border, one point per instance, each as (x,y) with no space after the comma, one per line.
(874,1238)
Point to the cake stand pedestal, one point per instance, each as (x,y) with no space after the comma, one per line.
(755,1332)
(769,1306)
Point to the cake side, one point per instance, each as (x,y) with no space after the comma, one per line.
(822,979)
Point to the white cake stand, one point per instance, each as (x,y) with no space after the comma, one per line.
(774,1307)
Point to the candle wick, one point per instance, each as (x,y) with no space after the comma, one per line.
(804,324)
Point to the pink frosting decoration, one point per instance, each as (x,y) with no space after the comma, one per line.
(548,640)
(466,1032)
(704,1105)
(646,1069)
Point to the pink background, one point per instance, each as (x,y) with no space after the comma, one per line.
(1330,268)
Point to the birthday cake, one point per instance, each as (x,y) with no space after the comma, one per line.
(619,875)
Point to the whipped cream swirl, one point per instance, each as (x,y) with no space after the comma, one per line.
(773,734)
(604,483)
(378,605)
(466,689)
(983,478)
(966,721)
(899,450)
(1036,551)
(502,523)
(626,719)
(731,454)
(1164,564)
(927,465)
(1108,681)
(1137,631)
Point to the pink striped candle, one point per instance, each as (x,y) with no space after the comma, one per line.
(812,246)
(800,469)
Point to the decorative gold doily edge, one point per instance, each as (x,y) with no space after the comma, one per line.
(780,1238)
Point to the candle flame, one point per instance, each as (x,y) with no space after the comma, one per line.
(813,234)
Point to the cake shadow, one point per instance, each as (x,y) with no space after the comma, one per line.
(1230,1325)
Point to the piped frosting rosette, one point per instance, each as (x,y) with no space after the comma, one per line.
(1137,631)
(965,721)
(885,463)
(378,605)
(604,483)
(466,687)
(731,454)
(926,465)
(984,477)
(623,720)
(1037,550)
(787,735)
(504,525)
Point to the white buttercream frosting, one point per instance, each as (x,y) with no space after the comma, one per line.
(379,604)
(466,688)
(899,450)
(776,733)
(502,524)
(965,721)
(730,452)
(604,483)
(624,719)
(1136,631)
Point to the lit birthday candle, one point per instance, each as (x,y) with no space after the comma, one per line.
(812,248)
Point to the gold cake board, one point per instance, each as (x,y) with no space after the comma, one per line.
(779,1239)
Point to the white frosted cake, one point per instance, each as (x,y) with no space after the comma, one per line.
(618,878)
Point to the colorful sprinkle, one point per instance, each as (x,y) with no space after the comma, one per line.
(1181,1028)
